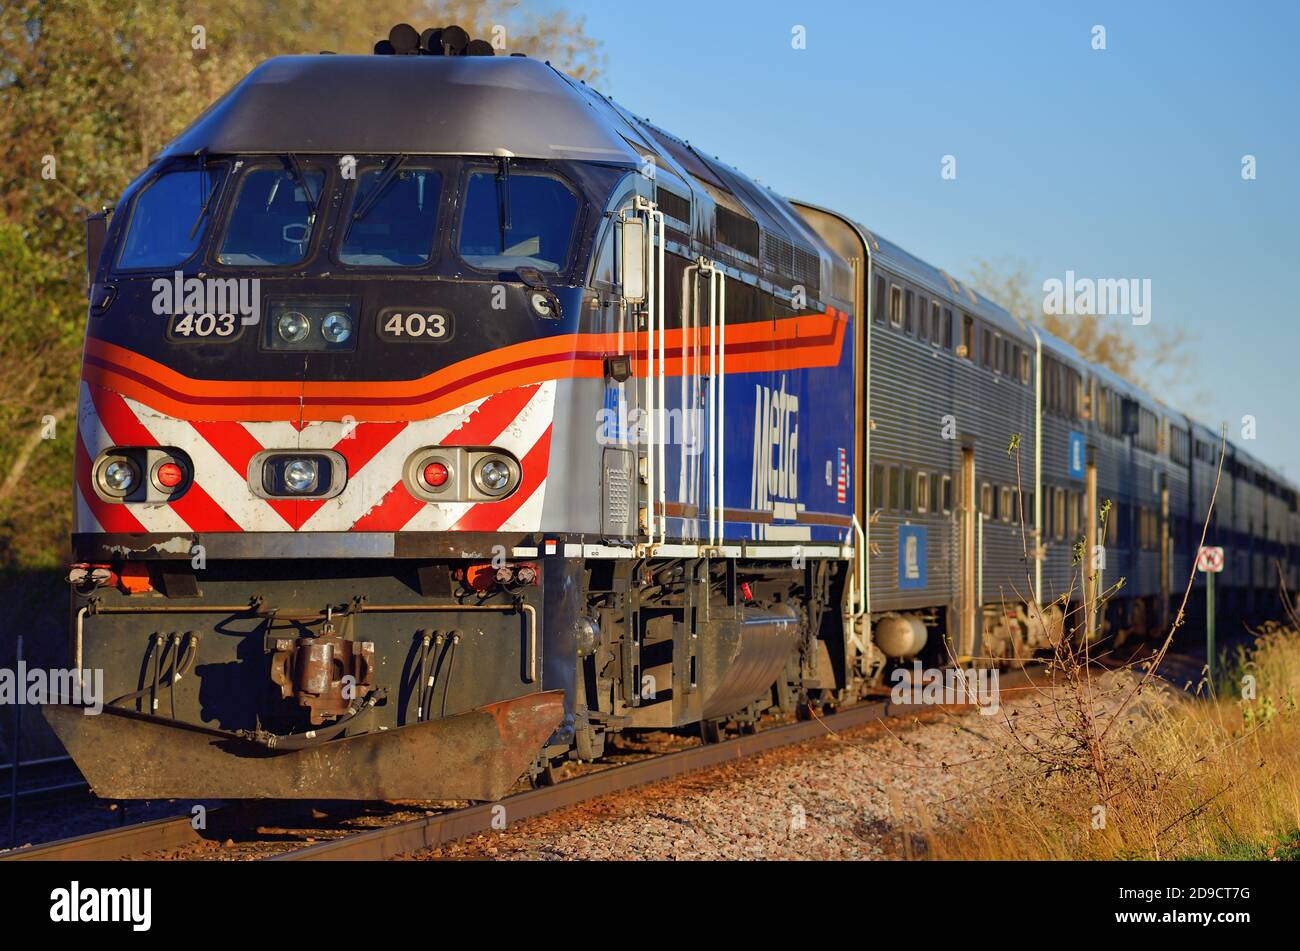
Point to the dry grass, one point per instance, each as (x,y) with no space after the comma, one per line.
(1185,777)
(1116,765)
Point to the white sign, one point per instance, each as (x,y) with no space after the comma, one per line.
(1210,559)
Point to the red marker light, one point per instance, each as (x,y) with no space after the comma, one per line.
(435,474)
(169,475)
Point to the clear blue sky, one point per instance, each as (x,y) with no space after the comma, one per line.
(1117,163)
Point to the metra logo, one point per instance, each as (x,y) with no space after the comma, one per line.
(774,486)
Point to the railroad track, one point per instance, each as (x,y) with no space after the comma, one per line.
(432,830)
(46,779)
(447,827)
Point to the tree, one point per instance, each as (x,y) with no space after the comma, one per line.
(1157,359)
(90,90)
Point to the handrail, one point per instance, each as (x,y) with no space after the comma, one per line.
(660,304)
(857,599)
(722,404)
(651,521)
(714,422)
(691,392)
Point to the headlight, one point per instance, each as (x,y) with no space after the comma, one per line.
(119,477)
(495,475)
(300,475)
(456,474)
(293,326)
(148,474)
(336,327)
(320,324)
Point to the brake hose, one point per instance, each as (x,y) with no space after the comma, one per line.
(301,741)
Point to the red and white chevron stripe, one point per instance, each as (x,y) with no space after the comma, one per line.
(374,499)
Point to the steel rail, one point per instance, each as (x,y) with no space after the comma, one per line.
(432,831)
(112,844)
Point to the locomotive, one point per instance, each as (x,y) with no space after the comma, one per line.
(439,418)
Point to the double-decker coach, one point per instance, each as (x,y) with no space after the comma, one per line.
(439,418)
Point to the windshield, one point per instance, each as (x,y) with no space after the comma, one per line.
(392,223)
(273,216)
(527,224)
(169,219)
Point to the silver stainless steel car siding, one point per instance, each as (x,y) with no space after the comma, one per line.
(573,500)
(914,385)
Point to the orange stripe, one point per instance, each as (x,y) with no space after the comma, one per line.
(814,340)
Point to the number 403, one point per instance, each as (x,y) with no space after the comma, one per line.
(434,326)
(205,325)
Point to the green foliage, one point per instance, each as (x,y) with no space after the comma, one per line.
(89,91)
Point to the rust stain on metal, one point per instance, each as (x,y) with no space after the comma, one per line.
(476,755)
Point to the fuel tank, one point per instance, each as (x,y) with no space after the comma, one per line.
(748,652)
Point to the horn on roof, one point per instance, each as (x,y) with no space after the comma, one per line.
(405,40)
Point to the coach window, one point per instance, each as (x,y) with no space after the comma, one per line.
(922,320)
(1058,514)
(392,219)
(936,324)
(1005,507)
(880,299)
(967,337)
(896,305)
(922,492)
(878,478)
(909,311)
(997,353)
(986,500)
(167,222)
(1178,445)
(1025,373)
(947,327)
(909,490)
(274,215)
(537,231)
(946,495)
(1073,502)
(895,488)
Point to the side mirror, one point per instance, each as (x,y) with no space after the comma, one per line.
(631,259)
(96,234)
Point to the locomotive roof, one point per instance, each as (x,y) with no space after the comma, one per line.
(430,105)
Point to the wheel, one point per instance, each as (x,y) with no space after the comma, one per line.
(711,731)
